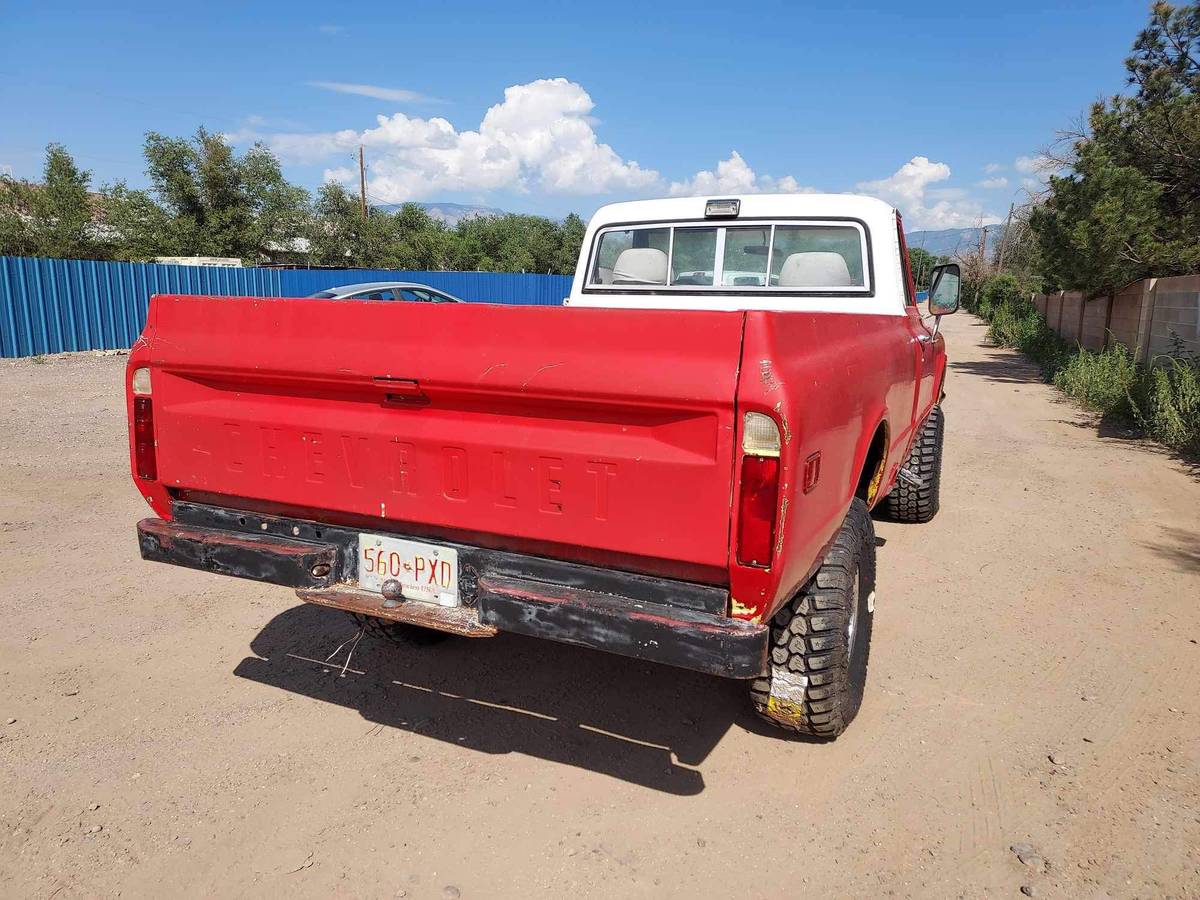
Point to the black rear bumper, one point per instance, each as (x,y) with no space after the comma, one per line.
(659,620)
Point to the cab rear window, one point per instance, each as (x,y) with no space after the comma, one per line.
(780,257)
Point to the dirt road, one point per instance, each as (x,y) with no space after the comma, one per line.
(171,732)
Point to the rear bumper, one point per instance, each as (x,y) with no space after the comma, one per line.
(685,638)
(658,620)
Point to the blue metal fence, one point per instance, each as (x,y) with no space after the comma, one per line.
(476,287)
(59,305)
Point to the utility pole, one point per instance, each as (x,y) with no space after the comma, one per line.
(362,183)
(1004,237)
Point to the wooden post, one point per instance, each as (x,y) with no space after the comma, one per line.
(1004,237)
(362,183)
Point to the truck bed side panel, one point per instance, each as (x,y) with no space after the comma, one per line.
(855,371)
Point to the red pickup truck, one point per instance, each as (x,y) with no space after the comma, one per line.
(677,465)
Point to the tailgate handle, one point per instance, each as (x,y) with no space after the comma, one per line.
(401,391)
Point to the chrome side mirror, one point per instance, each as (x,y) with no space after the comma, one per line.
(944,290)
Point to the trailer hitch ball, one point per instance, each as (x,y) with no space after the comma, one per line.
(393,593)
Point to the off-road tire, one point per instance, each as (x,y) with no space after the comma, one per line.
(399,633)
(907,502)
(821,639)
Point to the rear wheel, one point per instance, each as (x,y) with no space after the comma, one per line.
(913,502)
(820,640)
(400,633)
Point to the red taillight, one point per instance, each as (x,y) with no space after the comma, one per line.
(143,438)
(756,513)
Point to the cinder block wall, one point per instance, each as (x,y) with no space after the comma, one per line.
(1154,317)
(1175,323)
(1095,317)
(1127,314)
(1068,325)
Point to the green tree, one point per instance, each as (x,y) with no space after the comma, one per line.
(206,200)
(570,240)
(417,240)
(1129,205)
(139,228)
(921,261)
(338,235)
(1101,226)
(279,210)
(54,218)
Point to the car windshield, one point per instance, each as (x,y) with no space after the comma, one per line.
(323,295)
(782,256)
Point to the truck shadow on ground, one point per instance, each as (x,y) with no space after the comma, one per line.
(646,724)
(1002,367)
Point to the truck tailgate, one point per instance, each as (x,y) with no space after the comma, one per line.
(592,434)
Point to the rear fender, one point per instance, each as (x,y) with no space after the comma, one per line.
(827,380)
(154,492)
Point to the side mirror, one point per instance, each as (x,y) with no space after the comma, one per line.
(945,285)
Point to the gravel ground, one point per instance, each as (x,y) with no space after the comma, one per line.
(1032,718)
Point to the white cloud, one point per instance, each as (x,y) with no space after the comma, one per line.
(992,168)
(395,95)
(6,170)
(734,176)
(925,207)
(994,183)
(541,137)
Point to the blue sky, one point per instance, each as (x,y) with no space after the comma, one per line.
(941,108)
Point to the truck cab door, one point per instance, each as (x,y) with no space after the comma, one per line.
(923,340)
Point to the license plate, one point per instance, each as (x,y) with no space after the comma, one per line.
(425,572)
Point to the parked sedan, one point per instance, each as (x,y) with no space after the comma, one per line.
(386,290)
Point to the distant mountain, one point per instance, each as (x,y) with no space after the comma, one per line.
(449,213)
(954,241)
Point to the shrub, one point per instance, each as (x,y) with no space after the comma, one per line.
(1167,403)
(1000,291)
(1101,382)
(1017,323)
(1163,399)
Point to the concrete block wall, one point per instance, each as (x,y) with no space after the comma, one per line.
(1126,316)
(1154,317)
(1068,323)
(1093,330)
(1175,323)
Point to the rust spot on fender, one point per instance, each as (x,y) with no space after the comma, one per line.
(873,487)
(782,518)
(740,610)
(787,430)
(766,374)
